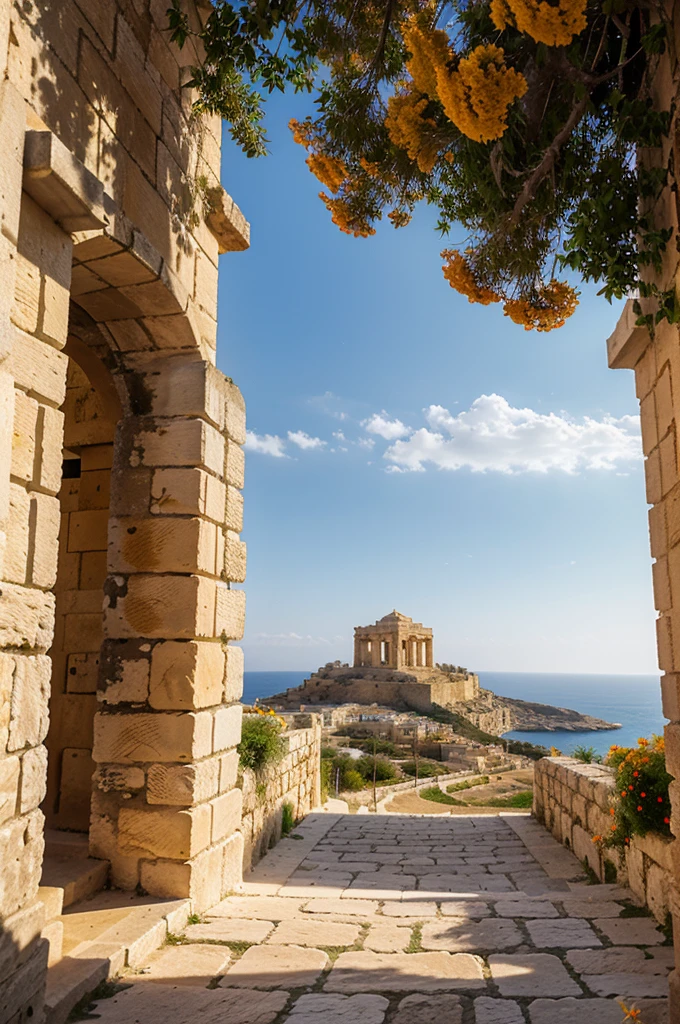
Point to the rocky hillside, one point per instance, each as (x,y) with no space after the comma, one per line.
(497,715)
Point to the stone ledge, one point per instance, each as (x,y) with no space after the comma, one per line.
(627,343)
(226,222)
(61,184)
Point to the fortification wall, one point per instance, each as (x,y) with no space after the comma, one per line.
(295,780)
(573,800)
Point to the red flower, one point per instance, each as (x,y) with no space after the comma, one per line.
(635,775)
(639,807)
(643,795)
(630,787)
(659,799)
(667,821)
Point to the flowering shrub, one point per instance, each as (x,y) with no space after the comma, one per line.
(519,120)
(642,801)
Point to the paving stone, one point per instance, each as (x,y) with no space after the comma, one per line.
(616,960)
(276,967)
(629,986)
(654,1011)
(497,1011)
(458,935)
(630,931)
(267,908)
(531,974)
(410,908)
(361,908)
(526,908)
(387,938)
(405,972)
(314,933)
(566,1011)
(589,908)
(337,1009)
(569,932)
(187,965)
(471,909)
(221,929)
(423,1009)
(159,1004)
(306,892)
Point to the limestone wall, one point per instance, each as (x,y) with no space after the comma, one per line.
(295,780)
(387,687)
(573,801)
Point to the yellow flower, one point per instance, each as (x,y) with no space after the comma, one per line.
(408,129)
(348,222)
(429,51)
(630,1013)
(302,132)
(460,276)
(478,94)
(554,303)
(552,24)
(330,171)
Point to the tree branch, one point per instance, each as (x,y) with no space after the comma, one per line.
(548,159)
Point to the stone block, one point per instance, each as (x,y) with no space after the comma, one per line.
(24,431)
(88,530)
(404,972)
(83,631)
(233,676)
(18,535)
(27,287)
(50,440)
(186,675)
(234,465)
(531,974)
(200,879)
(29,701)
(96,456)
(183,784)
(232,863)
(234,558)
(38,368)
(228,770)
(94,490)
(266,967)
(93,569)
(235,413)
(164,607)
(181,442)
(187,492)
(169,543)
(230,613)
(130,684)
(10,768)
(163,737)
(194,964)
(173,834)
(45,518)
(227,727)
(226,814)
(21,854)
(77,769)
(33,779)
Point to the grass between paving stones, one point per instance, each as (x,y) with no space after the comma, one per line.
(631,910)
(416,943)
(194,919)
(172,939)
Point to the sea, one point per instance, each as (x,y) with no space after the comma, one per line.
(633,701)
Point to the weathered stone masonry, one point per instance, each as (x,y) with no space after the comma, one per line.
(112,218)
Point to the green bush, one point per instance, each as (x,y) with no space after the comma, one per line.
(435,794)
(426,770)
(375,746)
(523,799)
(287,818)
(586,754)
(384,769)
(327,752)
(326,773)
(455,787)
(352,781)
(642,801)
(261,743)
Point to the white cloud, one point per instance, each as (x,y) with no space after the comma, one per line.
(366,442)
(304,441)
(290,640)
(339,435)
(494,436)
(380,423)
(267,444)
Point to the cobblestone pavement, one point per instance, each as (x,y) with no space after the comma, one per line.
(389,919)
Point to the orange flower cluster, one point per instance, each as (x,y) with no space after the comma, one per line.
(344,218)
(429,51)
(552,24)
(330,171)
(478,94)
(302,132)
(407,128)
(399,218)
(460,276)
(553,305)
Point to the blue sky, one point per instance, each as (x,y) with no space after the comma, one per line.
(530,554)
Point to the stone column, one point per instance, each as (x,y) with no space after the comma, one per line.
(428,653)
(358,660)
(375,652)
(165,808)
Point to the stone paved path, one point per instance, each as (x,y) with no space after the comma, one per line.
(390,919)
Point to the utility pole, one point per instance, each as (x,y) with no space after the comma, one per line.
(375,771)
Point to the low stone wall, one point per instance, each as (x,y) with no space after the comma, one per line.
(296,780)
(573,801)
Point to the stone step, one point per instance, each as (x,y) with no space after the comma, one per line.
(78,877)
(103,935)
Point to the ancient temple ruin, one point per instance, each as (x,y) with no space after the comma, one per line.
(395,641)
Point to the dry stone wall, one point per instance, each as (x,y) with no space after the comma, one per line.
(295,780)
(573,801)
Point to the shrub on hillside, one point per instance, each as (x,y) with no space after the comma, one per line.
(261,743)
(352,781)
(426,770)
(384,769)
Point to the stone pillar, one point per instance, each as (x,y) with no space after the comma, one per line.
(428,654)
(358,658)
(36,267)
(375,652)
(165,808)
